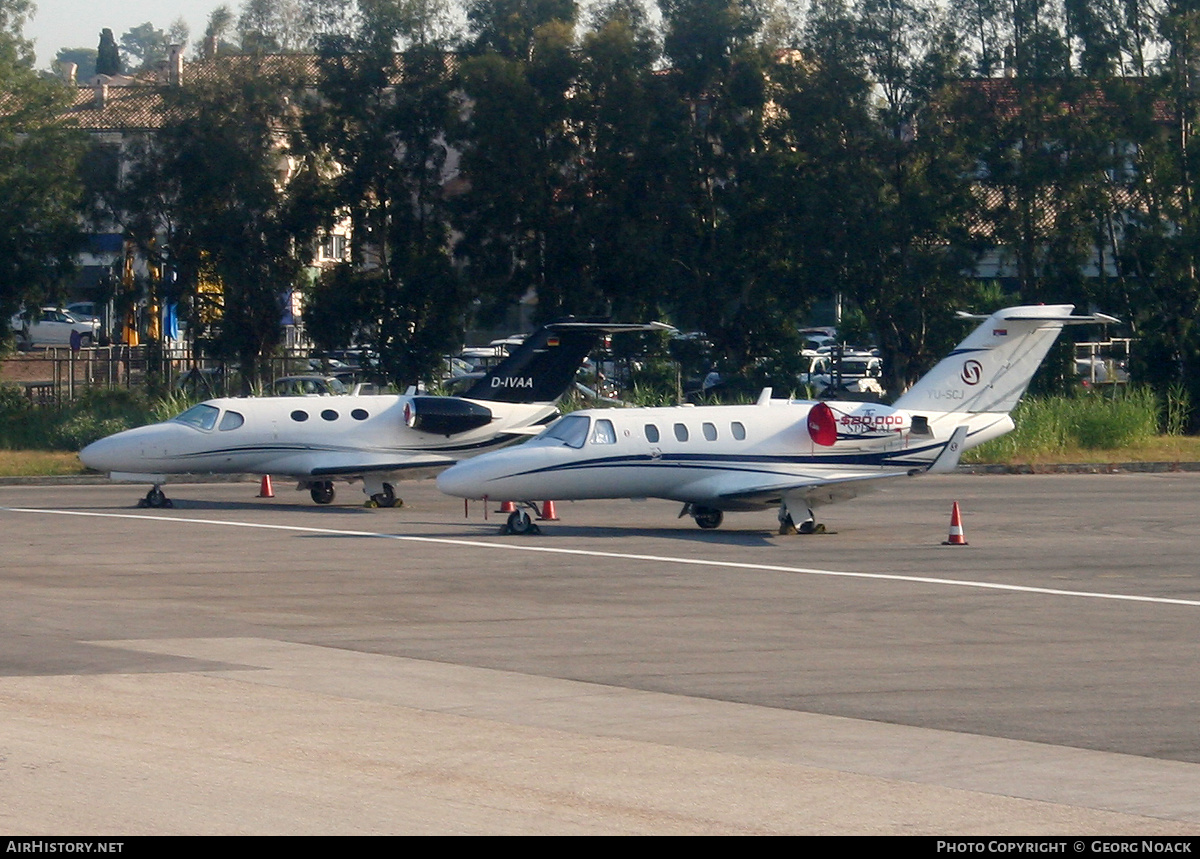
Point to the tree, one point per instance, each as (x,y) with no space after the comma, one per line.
(222,195)
(384,123)
(521,159)
(39,231)
(729,273)
(83,58)
(1159,254)
(627,115)
(273,26)
(145,46)
(108,57)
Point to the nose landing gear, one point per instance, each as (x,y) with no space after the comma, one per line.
(156,499)
(520,522)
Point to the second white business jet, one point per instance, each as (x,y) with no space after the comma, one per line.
(792,455)
(375,439)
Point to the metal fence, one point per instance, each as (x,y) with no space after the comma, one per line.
(57,375)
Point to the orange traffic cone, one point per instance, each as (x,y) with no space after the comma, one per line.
(264,489)
(508,507)
(548,514)
(956,529)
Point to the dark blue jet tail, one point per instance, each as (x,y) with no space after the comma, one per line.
(544,366)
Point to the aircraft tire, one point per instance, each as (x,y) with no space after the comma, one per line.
(708,517)
(322,492)
(519,522)
(387,498)
(156,498)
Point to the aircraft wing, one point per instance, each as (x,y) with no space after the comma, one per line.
(530,431)
(828,490)
(350,462)
(821,490)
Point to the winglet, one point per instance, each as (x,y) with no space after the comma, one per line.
(947,460)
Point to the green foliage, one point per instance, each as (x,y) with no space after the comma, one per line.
(1047,426)
(206,199)
(39,230)
(1177,411)
(97,413)
(385,117)
(83,58)
(108,57)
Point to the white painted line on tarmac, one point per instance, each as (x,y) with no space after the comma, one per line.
(626,556)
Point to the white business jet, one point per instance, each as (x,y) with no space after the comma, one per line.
(793,455)
(375,439)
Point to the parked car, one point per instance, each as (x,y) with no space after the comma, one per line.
(84,311)
(308,386)
(53,326)
(860,373)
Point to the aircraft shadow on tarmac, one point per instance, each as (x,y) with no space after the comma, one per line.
(548,534)
(394,523)
(183,505)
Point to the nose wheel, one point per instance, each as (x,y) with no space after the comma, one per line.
(520,522)
(155,499)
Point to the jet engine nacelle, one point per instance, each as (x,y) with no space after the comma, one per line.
(445,415)
(831,422)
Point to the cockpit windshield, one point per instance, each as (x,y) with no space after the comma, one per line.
(571,431)
(202,417)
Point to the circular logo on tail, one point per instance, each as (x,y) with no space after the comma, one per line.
(972,372)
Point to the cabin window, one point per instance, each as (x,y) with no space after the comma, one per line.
(651,433)
(201,417)
(604,433)
(231,421)
(738,430)
(329,415)
(571,430)
(681,432)
(300,416)
(710,431)
(359,414)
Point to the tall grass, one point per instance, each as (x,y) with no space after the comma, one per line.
(24,426)
(1049,426)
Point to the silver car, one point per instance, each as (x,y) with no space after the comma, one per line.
(53,326)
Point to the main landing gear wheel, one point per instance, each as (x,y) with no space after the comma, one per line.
(787,525)
(708,517)
(520,522)
(322,492)
(156,499)
(387,498)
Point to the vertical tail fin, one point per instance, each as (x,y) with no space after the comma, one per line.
(543,367)
(990,370)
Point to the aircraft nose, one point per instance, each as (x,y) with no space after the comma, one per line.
(461,481)
(99,454)
(121,451)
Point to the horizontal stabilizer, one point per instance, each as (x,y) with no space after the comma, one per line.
(1091,319)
